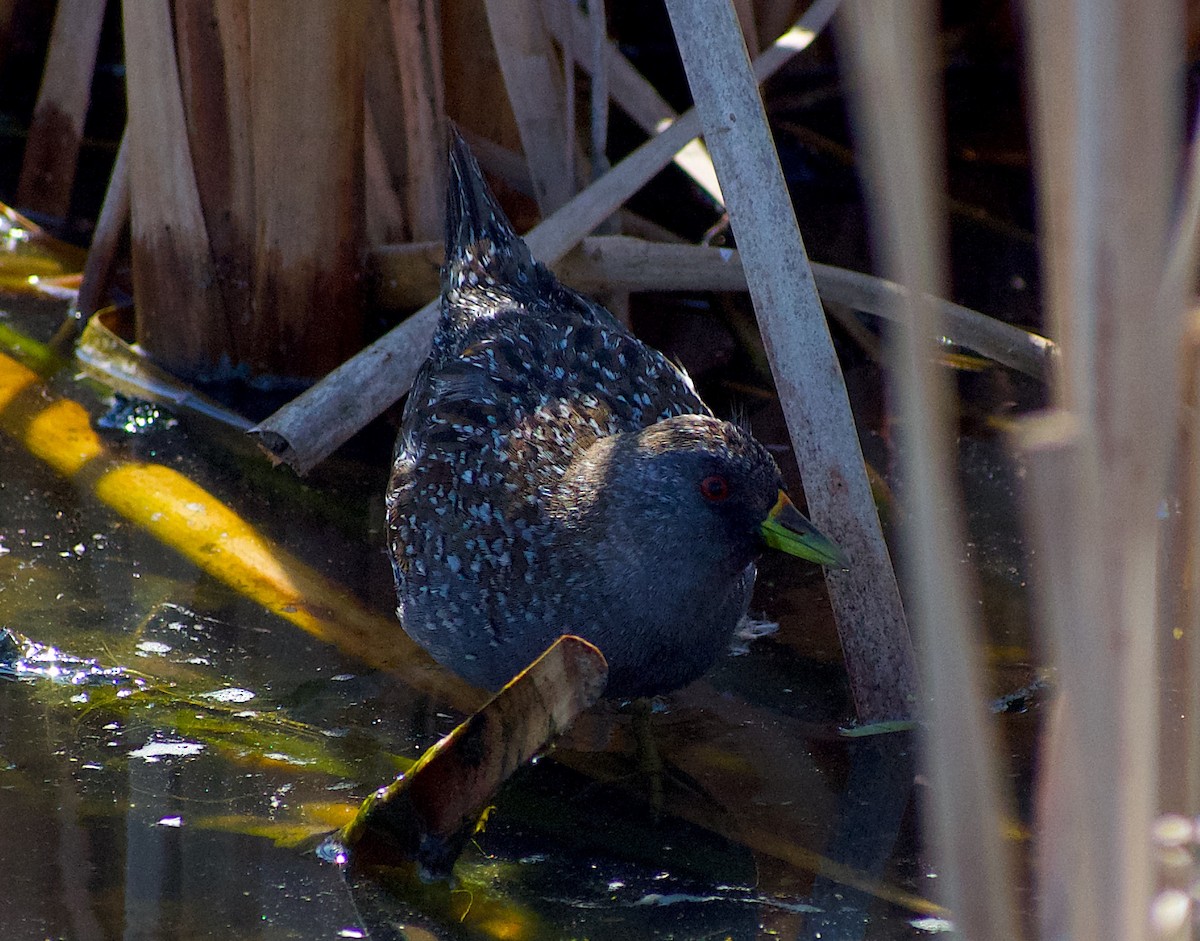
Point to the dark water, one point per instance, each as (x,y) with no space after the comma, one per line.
(164,800)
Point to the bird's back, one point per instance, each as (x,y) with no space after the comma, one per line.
(522,366)
(524,375)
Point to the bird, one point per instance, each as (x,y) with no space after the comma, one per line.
(553,475)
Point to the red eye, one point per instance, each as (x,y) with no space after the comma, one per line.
(714,488)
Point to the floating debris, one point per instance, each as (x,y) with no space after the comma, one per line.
(135,416)
(157,750)
(749,630)
(25,659)
(229,695)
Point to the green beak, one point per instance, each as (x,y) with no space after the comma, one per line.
(786,529)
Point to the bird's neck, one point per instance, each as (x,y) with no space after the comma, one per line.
(616,537)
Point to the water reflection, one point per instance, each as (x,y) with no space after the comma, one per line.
(873,806)
(89,852)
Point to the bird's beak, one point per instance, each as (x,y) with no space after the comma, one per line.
(786,529)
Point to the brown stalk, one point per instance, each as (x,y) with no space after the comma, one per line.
(52,151)
(114,217)
(213,45)
(385,217)
(405,121)
(417,38)
(535,89)
(177,299)
(308,181)
(385,137)
(430,811)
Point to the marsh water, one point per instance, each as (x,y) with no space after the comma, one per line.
(169,747)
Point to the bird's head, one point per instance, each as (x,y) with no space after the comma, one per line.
(703,489)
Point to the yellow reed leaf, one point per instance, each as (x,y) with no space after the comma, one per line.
(186,517)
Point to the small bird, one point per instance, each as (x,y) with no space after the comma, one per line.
(555,475)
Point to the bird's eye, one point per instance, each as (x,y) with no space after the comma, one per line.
(714,488)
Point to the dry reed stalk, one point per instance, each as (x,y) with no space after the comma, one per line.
(431,810)
(276,152)
(1179,758)
(1180,750)
(554,17)
(312,426)
(308,180)
(748,22)
(865,597)
(384,213)
(1075,877)
(1190,622)
(891,55)
(416,36)
(639,265)
(114,216)
(213,44)
(103,355)
(6,20)
(632,93)
(1121,327)
(385,137)
(611,296)
(1068,795)
(1055,118)
(405,121)
(535,89)
(172,266)
(599,91)
(1179,605)
(52,151)
(407,274)
(1018,349)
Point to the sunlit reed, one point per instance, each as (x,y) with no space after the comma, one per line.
(888,48)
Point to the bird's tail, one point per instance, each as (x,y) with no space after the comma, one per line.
(481,247)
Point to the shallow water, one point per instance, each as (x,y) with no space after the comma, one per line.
(165,800)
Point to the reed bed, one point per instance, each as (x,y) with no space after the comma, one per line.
(223,208)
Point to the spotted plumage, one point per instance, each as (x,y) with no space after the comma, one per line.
(547,478)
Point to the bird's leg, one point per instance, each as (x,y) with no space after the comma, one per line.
(649,759)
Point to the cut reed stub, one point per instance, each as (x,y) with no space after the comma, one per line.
(246,237)
(429,813)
